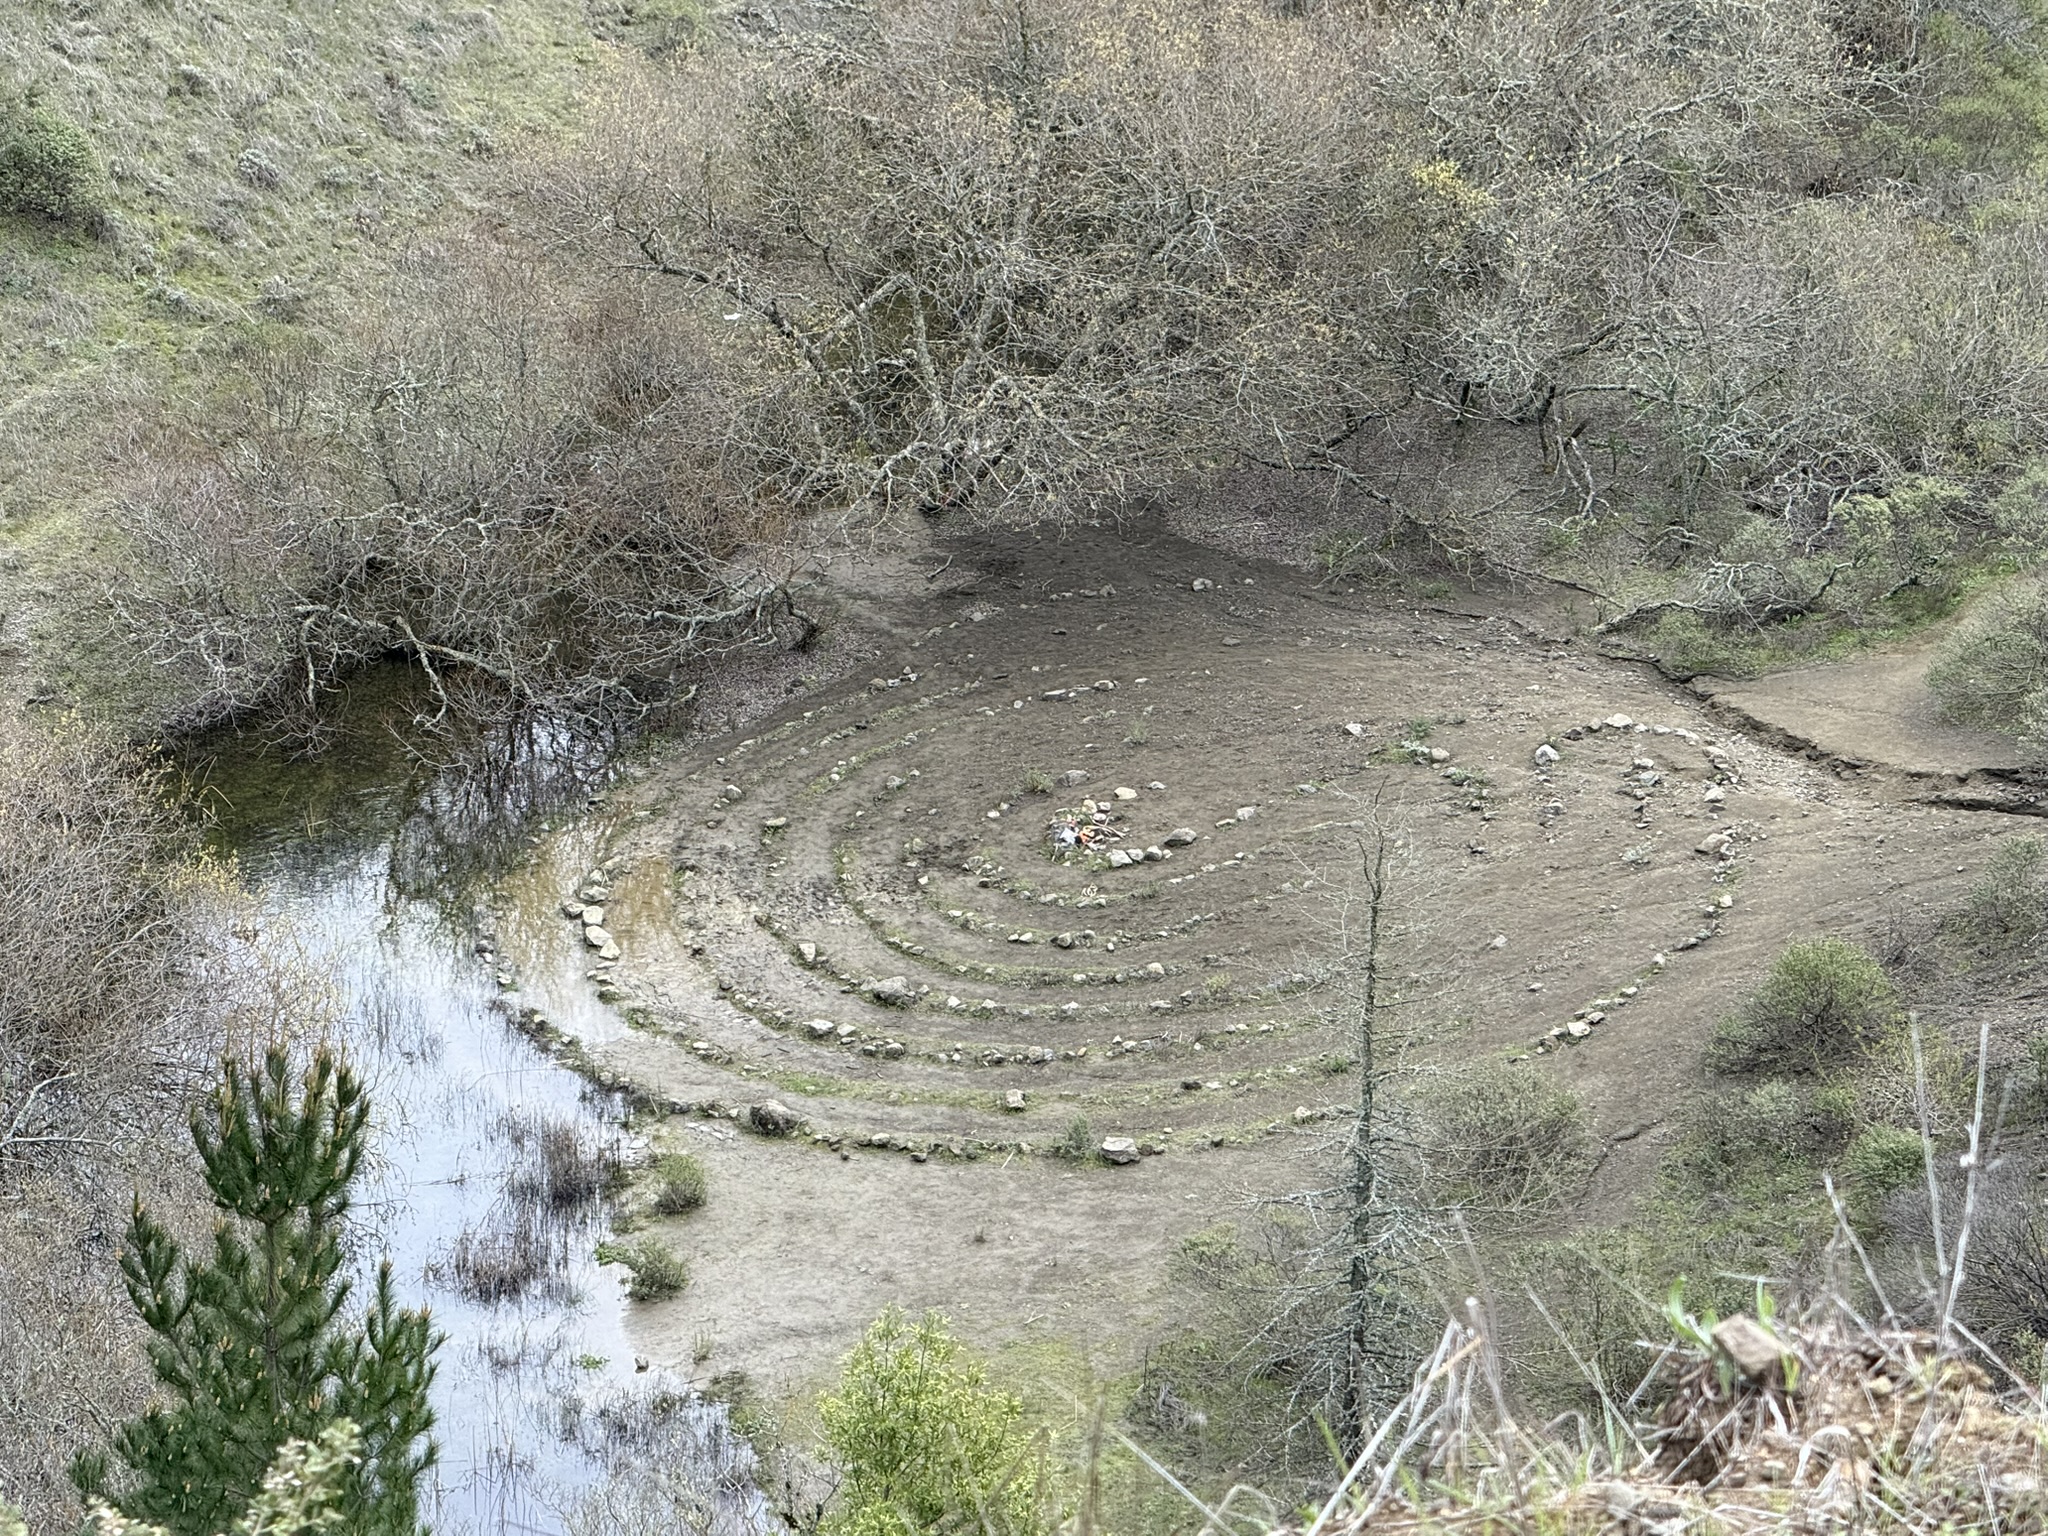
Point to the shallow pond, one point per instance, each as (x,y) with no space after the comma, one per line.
(485,1186)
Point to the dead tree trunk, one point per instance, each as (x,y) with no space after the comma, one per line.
(1362,1191)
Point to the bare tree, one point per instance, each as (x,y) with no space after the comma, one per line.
(1013,258)
(507,480)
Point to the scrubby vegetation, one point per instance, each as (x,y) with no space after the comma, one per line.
(679,1183)
(250,1347)
(654,1270)
(48,167)
(1768,374)
(922,1438)
(110,1015)
(1824,1002)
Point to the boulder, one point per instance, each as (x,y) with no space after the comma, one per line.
(893,992)
(820,1028)
(1125,792)
(1119,1150)
(1179,837)
(1013,1100)
(1545,755)
(593,917)
(1753,1348)
(595,936)
(772,1118)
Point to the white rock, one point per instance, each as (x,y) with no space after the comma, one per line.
(820,1028)
(609,951)
(1617,722)
(809,951)
(593,917)
(1439,755)
(1546,755)
(572,909)
(595,936)
(1119,1150)
(1118,859)
(1179,837)
(1014,1099)
(1201,584)
(1247,812)
(1714,794)
(1713,843)
(1353,728)
(1125,792)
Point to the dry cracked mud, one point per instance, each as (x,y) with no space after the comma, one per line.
(855,908)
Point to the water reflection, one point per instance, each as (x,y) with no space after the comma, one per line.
(490,1181)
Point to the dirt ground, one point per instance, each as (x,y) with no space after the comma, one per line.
(1590,916)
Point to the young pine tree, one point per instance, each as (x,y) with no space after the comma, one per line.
(252,1348)
(925,1442)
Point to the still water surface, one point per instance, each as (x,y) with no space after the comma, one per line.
(383,872)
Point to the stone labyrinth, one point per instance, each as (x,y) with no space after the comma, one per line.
(1069,876)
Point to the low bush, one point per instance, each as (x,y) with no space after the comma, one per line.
(678,1184)
(2008,906)
(49,168)
(1882,1160)
(924,1440)
(1824,1002)
(658,1271)
(1993,674)
(1502,1137)
(1732,1135)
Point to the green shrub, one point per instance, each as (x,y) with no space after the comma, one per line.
(924,1441)
(49,169)
(2008,907)
(1824,1002)
(1079,1140)
(658,1272)
(1832,1113)
(679,1184)
(1993,674)
(1761,1130)
(1502,1136)
(1879,1161)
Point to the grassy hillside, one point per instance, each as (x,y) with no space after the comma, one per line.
(265,166)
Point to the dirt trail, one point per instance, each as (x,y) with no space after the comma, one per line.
(1594,914)
(1873,710)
